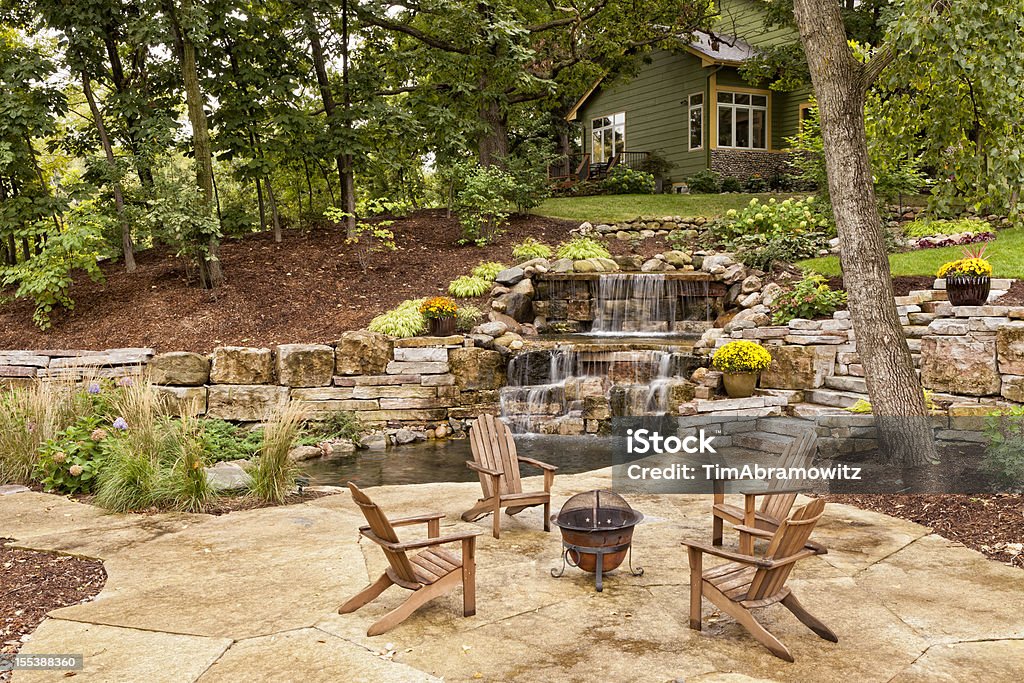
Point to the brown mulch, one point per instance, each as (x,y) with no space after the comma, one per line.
(33,583)
(1014,297)
(308,288)
(992,524)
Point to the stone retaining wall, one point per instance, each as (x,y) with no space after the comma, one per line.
(421,381)
(743,164)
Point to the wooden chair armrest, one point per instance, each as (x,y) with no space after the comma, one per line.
(779,491)
(480,468)
(743,529)
(538,464)
(727,555)
(416,519)
(424,543)
(806,552)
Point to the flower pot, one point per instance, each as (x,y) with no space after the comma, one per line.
(968,290)
(740,384)
(442,327)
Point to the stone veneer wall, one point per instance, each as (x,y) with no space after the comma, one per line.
(744,164)
(417,381)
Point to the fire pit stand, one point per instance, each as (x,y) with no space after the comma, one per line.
(597,534)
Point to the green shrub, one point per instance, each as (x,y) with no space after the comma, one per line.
(1004,454)
(731,184)
(923,227)
(29,417)
(383,206)
(468,286)
(128,480)
(625,180)
(774,218)
(342,424)
(756,183)
(468,317)
(530,249)
(763,251)
(485,201)
(405,320)
(70,462)
(582,248)
(225,441)
(182,483)
(488,270)
(809,298)
(275,473)
(705,182)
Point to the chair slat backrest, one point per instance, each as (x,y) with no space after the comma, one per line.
(382,528)
(494,448)
(799,453)
(790,539)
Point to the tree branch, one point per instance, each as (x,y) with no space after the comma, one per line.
(399,27)
(565,21)
(876,65)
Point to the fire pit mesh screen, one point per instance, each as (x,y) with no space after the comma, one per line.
(599,509)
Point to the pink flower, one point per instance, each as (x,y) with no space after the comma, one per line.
(75,470)
(98,434)
(59,457)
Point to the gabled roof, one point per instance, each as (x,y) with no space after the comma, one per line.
(713,49)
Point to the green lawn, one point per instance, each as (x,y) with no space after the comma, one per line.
(1006,254)
(620,207)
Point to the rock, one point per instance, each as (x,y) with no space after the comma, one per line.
(441,431)
(524,287)
(1012,389)
(179,368)
(1010,348)
(507,340)
(510,276)
(362,352)
(227,476)
(183,400)
(586,226)
(712,261)
(957,365)
(628,261)
(799,367)
(511,324)
(341,448)
(585,266)
(519,307)
(377,441)
(770,293)
(245,403)
(305,365)
(562,265)
(752,283)
(404,436)
(734,273)
(654,266)
(477,369)
(751,300)
(241,365)
(678,258)
(303,453)
(492,329)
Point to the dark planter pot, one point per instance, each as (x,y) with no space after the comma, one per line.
(442,327)
(968,290)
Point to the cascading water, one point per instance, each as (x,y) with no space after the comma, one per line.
(646,304)
(548,389)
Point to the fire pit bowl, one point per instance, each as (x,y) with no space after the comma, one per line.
(597,533)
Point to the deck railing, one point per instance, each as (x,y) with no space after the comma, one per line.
(580,167)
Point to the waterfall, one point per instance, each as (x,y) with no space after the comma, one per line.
(647,304)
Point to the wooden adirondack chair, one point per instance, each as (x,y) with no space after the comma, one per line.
(428,574)
(777,500)
(496,461)
(748,582)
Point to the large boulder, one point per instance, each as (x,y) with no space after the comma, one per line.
(305,365)
(510,276)
(242,403)
(519,307)
(362,352)
(799,367)
(242,365)
(182,401)
(477,369)
(179,368)
(1010,348)
(956,365)
(227,476)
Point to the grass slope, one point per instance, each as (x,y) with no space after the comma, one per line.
(620,207)
(1006,254)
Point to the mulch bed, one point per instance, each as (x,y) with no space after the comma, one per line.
(309,288)
(1014,297)
(992,524)
(33,583)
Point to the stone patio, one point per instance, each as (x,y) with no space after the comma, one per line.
(253,596)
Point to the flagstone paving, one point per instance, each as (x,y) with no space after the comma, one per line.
(252,596)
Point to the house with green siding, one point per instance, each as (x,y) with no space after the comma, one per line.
(691,106)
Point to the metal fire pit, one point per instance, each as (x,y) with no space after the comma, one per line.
(597,533)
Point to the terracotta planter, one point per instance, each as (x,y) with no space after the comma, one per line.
(968,290)
(441,327)
(740,384)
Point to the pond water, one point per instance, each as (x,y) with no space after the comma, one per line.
(430,462)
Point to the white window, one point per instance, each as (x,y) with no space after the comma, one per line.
(608,136)
(697,120)
(742,120)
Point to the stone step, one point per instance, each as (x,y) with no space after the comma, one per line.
(760,441)
(816,410)
(854,384)
(836,399)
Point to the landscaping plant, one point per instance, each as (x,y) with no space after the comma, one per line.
(405,320)
(530,249)
(367,239)
(973,264)
(274,475)
(1004,453)
(469,286)
(924,227)
(741,356)
(438,307)
(468,317)
(625,180)
(69,462)
(582,248)
(810,297)
(705,182)
(488,270)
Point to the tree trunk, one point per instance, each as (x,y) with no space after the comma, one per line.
(259,202)
(273,211)
(127,247)
(344,163)
(493,144)
(210,273)
(840,86)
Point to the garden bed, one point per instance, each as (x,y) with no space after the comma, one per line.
(992,524)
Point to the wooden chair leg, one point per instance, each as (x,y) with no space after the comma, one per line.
(696,587)
(808,619)
(366,595)
(547,516)
(745,619)
(716,530)
(750,520)
(468,577)
(496,522)
(414,602)
(483,507)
